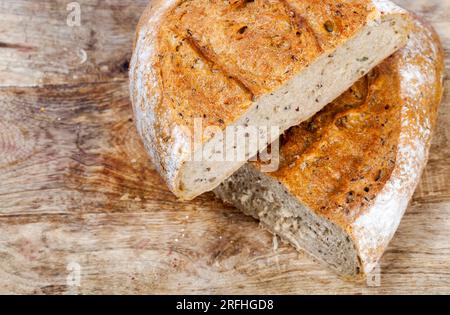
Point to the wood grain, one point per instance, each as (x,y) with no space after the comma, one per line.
(76,185)
(39,47)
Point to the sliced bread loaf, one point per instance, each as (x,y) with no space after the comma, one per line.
(347,174)
(265,63)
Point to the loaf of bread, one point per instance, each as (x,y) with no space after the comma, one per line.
(348,173)
(264,63)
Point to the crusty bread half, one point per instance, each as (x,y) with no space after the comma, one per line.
(348,173)
(263,63)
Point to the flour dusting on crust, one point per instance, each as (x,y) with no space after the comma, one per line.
(420,68)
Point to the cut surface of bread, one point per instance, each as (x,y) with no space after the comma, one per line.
(263,63)
(347,174)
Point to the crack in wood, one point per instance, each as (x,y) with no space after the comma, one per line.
(19,47)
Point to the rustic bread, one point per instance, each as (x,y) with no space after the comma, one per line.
(246,63)
(348,173)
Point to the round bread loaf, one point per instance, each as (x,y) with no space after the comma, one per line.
(240,63)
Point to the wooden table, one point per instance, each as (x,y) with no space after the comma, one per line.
(83,211)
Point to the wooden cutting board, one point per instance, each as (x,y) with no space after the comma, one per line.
(83,211)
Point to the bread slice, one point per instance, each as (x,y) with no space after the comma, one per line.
(201,68)
(347,174)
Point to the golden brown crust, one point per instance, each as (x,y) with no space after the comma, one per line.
(248,47)
(339,161)
(343,145)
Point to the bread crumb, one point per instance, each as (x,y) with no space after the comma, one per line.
(125,197)
(275,243)
(82,54)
